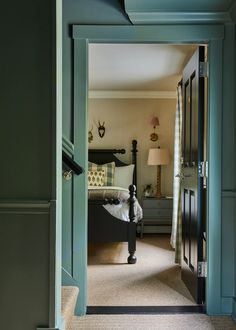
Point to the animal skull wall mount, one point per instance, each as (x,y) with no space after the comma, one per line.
(101,129)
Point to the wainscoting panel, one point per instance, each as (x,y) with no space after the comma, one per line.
(25,264)
(228,230)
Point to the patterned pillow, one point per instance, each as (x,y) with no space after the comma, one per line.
(109,169)
(96,178)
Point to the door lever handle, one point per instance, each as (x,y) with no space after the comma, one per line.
(71,165)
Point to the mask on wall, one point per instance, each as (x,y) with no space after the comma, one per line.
(101,129)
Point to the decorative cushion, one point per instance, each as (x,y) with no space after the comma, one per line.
(109,170)
(123,176)
(96,178)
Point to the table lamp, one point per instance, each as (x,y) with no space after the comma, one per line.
(158,156)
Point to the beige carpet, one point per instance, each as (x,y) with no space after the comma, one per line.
(153,281)
(151,322)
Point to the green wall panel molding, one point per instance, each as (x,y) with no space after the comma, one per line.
(28,235)
(228,114)
(228,193)
(179,17)
(226,306)
(25,258)
(234,310)
(178,12)
(25,207)
(26,100)
(175,5)
(149,34)
(228,252)
(67,146)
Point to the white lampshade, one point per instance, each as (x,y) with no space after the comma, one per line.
(158,156)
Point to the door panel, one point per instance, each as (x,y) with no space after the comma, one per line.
(192,183)
(67,227)
(185,226)
(68,216)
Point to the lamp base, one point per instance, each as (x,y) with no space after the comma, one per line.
(158,193)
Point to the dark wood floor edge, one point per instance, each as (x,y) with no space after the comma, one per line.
(145,309)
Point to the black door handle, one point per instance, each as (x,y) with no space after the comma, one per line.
(71,164)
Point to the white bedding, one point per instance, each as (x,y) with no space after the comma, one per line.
(120,211)
(108,192)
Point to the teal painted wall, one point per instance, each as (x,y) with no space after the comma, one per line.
(28,165)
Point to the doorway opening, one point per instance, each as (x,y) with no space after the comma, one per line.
(125,98)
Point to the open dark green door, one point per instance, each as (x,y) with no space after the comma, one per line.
(192,179)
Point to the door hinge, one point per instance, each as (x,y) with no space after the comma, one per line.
(203,169)
(204,69)
(202,269)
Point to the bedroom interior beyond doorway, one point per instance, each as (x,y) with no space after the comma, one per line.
(126,106)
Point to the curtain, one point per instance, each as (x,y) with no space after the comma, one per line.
(176,234)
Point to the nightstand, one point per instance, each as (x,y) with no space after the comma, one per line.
(157,215)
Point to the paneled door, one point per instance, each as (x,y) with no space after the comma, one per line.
(192,180)
(71,171)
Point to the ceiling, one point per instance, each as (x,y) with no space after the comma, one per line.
(136,67)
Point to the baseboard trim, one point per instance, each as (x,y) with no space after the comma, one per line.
(60,327)
(145,309)
(234,310)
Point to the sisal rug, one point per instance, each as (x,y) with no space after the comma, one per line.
(155,279)
(151,322)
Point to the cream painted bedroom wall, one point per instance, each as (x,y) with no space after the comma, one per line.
(128,119)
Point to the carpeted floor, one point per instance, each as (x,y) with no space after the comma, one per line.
(151,322)
(153,281)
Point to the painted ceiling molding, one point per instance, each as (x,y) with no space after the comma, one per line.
(180,12)
(132,94)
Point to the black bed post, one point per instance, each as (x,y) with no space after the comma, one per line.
(134,160)
(132,226)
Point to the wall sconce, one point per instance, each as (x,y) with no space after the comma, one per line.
(154,122)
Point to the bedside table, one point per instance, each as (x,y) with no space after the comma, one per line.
(156,212)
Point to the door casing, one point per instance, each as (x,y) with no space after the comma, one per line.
(211,35)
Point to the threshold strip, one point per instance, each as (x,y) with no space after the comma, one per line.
(145,309)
